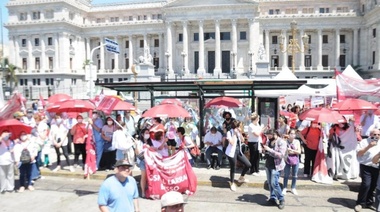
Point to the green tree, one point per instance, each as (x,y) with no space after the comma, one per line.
(85,63)
(10,73)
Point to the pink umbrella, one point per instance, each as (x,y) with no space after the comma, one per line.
(121,105)
(171,101)
(354,104)
(15,127)
(59,97)
(166,110)
(224,101)
(322,115)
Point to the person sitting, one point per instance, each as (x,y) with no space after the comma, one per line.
(214,141)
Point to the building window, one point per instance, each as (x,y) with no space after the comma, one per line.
(38,81)
(51,81)
(71,16)
(127,44)
(37,63)
(49,14)
(71,63)
(342,9)
(50,63)
(24,63)
(309,39)
(36,15)
(274,39)
(363,8)
(209,35)
(21,82)
(325,39)
(73,81)
(373,57)
(342,38)
(324,10)
(100,20)
(112,64)
(130,18)
(154,16)
(105,80)
(23,42)
(50,41)
(325,60)
(23,16)
(141,43)
(180,37)
(277,11)
(111,80)
(34,81)
(36,41)
(71,41)
(114,19)
(291,11)
(196,36)
(145,17)
(47,81)
(243,35)
(139,18)
(307,10)
(156,43)
(342,60)
(374,33)
(159,16)
(225,36)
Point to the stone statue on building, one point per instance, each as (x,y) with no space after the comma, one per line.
(146,58)
(261,53)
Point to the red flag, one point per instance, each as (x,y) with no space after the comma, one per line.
(320,173)
(107,104)
(339,94)
(13,105)
(43,103)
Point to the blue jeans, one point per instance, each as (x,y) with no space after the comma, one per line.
(26,175)
(99,151)
(294,174)
(377,200)
(273,177)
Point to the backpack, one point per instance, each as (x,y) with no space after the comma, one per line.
(25,157)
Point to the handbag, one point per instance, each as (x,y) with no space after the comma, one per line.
(292,159)
(107,146)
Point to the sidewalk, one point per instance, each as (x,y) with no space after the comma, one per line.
(211,177)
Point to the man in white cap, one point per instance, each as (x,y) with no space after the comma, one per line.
(172,201)
(119,192)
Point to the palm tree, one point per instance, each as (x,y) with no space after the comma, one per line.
(10,76)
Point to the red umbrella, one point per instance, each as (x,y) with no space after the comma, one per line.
(121,105)
(166,110)
(224,101)
(75,105)
(59,97)
(171,101)
(322,115)
(14,126)
(354,104)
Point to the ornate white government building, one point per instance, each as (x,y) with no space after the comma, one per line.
(51,40)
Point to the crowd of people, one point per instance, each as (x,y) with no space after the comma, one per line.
(118,142)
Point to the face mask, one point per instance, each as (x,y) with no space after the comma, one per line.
(146,136)
(23,137)
(7,137)
(29,115)
(80,120)
(292,136)
(94,116)
(59,121)
(109,122)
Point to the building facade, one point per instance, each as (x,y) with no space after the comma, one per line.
(51,40)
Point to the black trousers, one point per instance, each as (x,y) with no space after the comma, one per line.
(254,157)
(369,177)
(79,149)
(309,158)
(240,157)
(65,153)
(70,141)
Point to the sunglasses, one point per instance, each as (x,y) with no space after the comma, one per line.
(376,134)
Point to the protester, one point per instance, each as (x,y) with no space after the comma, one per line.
(369,172)
(283,127)
(7,177)
(159,143)
(29,119)
(119,192)
(376,160)
(90,163)
(122,142)
(292,161)
(310,137)
(171,129)
(213,140)
(172,201)
(144,142)
(69,122)
(109,154)
(186,143)
(233,152)
(130,123)
(25,153)
(79,133)
(254,140)
(275,150)
(366,120)
(58,136)
(97,125)
(226,126)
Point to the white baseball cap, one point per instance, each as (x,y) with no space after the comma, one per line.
(171,198)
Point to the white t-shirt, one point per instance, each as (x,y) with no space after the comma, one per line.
(253,128)
(366,159)
(188,142)
(165,151)
(214,138)
(370,120)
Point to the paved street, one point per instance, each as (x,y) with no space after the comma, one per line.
(73,194)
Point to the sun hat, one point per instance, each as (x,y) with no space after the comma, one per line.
(171,198)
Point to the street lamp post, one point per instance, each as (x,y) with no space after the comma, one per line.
(293,46)
(183,54)
(233,74)
(167,54)
(250,53)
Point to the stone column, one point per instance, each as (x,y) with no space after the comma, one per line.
(146,48)
(102,56)
(30,55)
(43,54)
(56,53)
(285,53)
(16,53)
(64,49)
(337,48)
(234,43)
(88,48)
(169,51)
(185,47)
(218,56)
(302,55)
(319,55)
(161,53)
(116,56)
(267,31)
(378,46)
(201,69)
(355,51)
(130,53)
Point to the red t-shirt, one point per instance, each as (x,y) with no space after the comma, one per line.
(312,137)
(292,120)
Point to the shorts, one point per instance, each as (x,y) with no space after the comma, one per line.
(142,165)
(172,142)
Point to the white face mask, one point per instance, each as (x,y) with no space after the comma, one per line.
(58,121)
(94,116)
(146,136)
(292,136)
(109,122)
